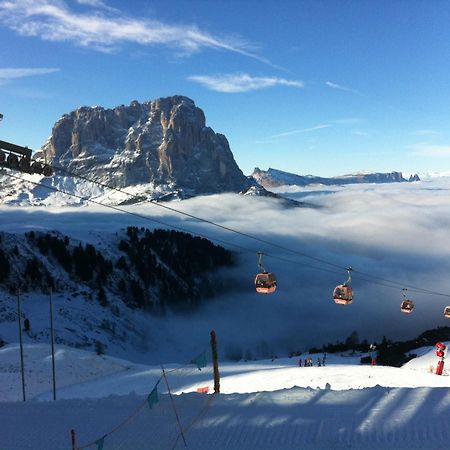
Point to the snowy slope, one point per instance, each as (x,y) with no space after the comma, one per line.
(83,374)
(263,404)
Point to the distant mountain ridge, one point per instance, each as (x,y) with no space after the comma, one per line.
(272,178)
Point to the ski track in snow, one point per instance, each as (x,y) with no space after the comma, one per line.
(262,405)
(288,419)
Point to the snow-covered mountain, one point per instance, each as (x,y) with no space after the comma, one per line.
(273,178)
(105,292)
(157,150)
(163,143)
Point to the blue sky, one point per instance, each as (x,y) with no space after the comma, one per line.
(320,87)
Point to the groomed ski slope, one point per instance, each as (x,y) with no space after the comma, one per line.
(262,405)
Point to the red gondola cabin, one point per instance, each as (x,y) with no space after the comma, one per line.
(407,306)
(343,294)
(265,283)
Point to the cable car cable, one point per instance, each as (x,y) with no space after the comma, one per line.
(115,208)
(410,287)
(210,222)
(192,216)
(154,202)
(169,225)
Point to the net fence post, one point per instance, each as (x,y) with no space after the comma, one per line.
(215,360)
(73,438)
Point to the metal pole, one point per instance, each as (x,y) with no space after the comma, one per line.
(19,313)
(52,335)
(215,360)
(73,437)
(173,406)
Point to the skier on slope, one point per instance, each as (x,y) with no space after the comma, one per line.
(373,353)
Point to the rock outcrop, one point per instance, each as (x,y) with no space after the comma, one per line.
(164,144)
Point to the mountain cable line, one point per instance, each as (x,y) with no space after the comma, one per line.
(200,219)
(386,282)
(210,222)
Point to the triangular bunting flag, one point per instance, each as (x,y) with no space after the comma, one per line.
(200,361)
(100,443)
(152,398)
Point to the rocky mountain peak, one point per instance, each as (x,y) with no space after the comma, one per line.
(164,143)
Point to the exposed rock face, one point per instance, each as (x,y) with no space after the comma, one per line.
(163,143)
(274,177)
(414,177)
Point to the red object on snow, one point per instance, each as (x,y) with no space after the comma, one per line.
(440,353)
(203,390)
(440,367)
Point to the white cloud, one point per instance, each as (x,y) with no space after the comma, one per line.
(7,74)
(425,132)
(242,82)
(330,124)
(102,30)
(94,3)
(339,87)
(437,151)
(348,121)
(97,4)
(299,131)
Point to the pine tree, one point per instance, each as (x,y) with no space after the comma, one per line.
(99,348)
(101,297)
(5,267)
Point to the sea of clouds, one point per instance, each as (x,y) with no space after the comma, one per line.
(397,232)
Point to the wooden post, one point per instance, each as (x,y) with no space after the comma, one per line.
(19,313)
(52,335)
(73,437)
(215,362)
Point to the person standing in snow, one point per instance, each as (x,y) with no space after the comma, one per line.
(373,353)
(300,362)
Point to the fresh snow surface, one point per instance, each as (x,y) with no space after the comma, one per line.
(270,404)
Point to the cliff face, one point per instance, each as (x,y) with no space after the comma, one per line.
(164,143)
(273,177)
